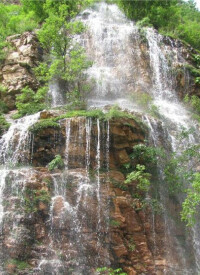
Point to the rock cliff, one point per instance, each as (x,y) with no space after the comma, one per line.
(62,219)
(16,72)
(120,233)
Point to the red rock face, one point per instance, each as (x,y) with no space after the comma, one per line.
(74,220)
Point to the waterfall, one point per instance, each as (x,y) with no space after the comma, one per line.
(120,71)
(56,95)
(127,63)
(15,144)
(78,184)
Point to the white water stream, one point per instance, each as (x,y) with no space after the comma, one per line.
(120,70)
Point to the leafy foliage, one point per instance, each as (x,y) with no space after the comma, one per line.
(110,271)
(114,223)
(192,202)
(144,154)
(114,112)
(13,20)
(33,198)
(66,60)
(180,168)
(44,124)
(194,103)
(43,8)
(57,162)
(29,102)
(4,125)
(140,176)
(176,18)
(20,265)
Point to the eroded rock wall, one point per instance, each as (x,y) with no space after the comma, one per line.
(23,54)
(114,228)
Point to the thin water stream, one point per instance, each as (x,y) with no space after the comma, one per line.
(126,63)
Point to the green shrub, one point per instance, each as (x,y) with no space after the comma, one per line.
(146,155)
(140,177)
(154,111)
(4,125)
(110,271)
(114,223)
(76,113)
(57,162)
(194,71)
(21,265)
(192,201)
(115,112)
(3,89)
(197,80)
(29,102)
(44,124)
(145,22)
(3,107)
(194,103)
(32,198)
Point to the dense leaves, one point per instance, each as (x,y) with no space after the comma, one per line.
(57,162)
(176,18)
(192,201)
(13,20)
(29,102)
(140,176)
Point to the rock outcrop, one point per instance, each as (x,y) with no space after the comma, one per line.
(56,220)
(17,70)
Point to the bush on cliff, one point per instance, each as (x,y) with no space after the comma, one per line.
(30,102)
(57,162)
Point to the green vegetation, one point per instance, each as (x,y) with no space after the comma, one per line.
(119,184)
(95,114)
(114,112)
(44,124)
(4,125)
(77,113)
(57,162)
(192,201)
(29,102)
(32,199)
(114,223)
(177,171)
(140,176)
(142,99)
(146,155)
(180,170)
(13,19)
(145,101)
(110,271)
(193,102)
(194,71)
(131,245)
(3,106)
(20,265)
(65,60)
(176,18)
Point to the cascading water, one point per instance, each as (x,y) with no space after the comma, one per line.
(15,144)
(76,212)
(126,62)
(120,70)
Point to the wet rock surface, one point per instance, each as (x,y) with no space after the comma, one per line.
(17,70)
(81,212)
